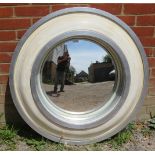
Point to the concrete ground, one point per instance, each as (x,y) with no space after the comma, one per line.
(81,96)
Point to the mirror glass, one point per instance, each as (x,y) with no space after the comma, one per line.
(78,75)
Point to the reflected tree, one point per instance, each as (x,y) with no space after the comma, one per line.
(107,59)
(70,74)
(72,70)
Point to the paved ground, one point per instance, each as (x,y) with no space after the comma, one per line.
(81,96)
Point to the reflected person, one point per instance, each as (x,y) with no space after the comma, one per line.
(62,66)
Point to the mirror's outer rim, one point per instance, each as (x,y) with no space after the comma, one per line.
(80,10)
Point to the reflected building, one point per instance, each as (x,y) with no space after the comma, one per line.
(81,77)
(99,72)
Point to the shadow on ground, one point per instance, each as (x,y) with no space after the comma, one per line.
(13,118)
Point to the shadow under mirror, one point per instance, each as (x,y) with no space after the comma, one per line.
(78,75)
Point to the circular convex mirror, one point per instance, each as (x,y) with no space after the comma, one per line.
(78,75)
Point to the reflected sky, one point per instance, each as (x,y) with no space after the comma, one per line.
(83,53)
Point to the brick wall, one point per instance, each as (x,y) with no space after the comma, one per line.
(15,19)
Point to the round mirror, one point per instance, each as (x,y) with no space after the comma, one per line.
(73,76)
(78,75)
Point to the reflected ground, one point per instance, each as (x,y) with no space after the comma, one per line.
(81,96)
(89,81)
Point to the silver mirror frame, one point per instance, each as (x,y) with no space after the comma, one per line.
(88,119)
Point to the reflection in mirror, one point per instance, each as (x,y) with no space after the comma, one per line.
(78,75)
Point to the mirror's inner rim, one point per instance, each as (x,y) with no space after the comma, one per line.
(121,64)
